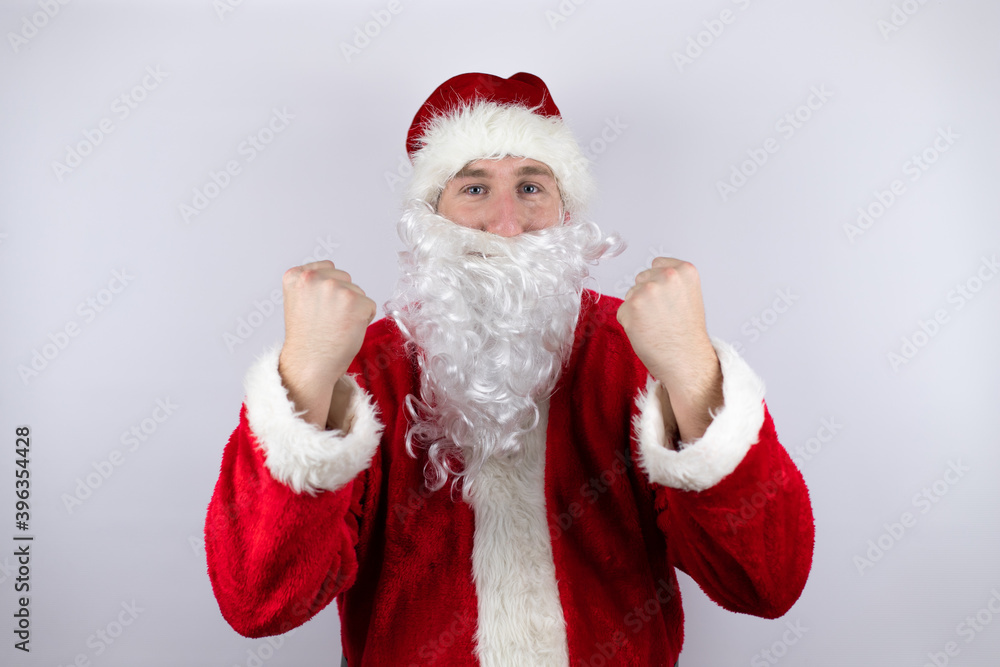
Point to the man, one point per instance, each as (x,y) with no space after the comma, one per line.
(596,444)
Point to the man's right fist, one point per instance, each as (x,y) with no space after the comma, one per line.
(326,316)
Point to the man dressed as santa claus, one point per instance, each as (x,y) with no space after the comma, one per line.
(507,468)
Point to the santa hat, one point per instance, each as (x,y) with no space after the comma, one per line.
(475,116)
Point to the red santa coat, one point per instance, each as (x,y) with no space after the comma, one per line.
(566,560)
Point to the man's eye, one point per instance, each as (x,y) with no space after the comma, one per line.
(531,189)
(475,190)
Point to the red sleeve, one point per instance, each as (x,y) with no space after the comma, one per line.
(748,540)
(276,557)
(733,507)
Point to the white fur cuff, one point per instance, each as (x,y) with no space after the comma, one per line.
(298,454)
(734,429)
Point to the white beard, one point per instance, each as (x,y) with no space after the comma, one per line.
(493,320)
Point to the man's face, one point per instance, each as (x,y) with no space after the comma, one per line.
(504,197)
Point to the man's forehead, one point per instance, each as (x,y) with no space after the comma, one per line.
(485,168)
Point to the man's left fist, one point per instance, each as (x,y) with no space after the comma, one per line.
(664,317)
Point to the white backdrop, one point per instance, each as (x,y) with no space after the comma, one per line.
(829,167)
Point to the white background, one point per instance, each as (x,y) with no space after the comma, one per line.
(321,189)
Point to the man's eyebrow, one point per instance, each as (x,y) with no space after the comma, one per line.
(531,170)
(527,170)
(466,172)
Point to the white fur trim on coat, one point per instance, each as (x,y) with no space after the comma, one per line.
(701,464)
(521,619)
(490,130)
(298,454)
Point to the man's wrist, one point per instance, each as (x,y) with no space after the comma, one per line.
(695,395)
(310,392)
(697,373)
(340,418)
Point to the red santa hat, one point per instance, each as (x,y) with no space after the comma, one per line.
(475,116)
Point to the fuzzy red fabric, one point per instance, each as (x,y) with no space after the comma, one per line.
(522,88)
(397,558)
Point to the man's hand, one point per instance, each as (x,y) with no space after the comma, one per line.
(325,320)
(664,317)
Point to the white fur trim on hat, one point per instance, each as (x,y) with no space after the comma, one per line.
(701,464)
(298,454)
(489,130)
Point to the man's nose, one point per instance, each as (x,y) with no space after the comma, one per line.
(505,216)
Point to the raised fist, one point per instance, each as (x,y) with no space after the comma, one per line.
(326,316)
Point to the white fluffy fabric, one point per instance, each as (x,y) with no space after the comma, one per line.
(489,130)
(521,620)
(492,320)
(701,464)
(298,454)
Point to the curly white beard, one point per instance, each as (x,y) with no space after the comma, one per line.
(492,319)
